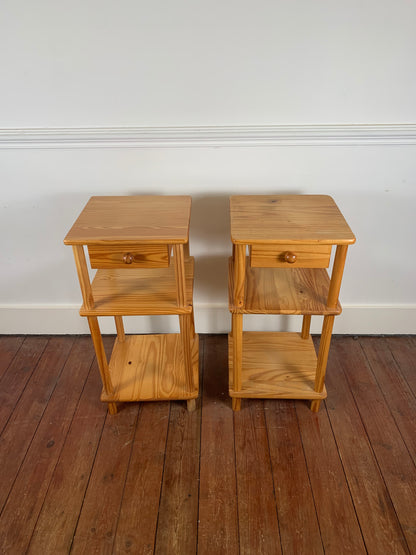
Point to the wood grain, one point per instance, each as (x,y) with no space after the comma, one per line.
(9,346)
(284,291)
(401,399)
(287,219)
(139,291)
(299,528)
(399,472)
(338,523)
(18,373)
(40,460)
(28,412)
(97,524)
(178,511)
(144,256)
(137,523)
(151,367)
(276,365)
(306,256)
(380,526)
(257,515)
(218,519)
(132,219)
(55,529)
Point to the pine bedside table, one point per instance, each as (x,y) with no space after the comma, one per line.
(139,247)
(288,239)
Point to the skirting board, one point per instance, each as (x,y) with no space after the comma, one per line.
(209,318)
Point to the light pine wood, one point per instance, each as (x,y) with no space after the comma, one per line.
(185,327)
(120,328)
(290,238)
(275,366)
(236,347)
(286,219)
(179,262)
(306,326)
(129,256)
(151,367)
(139,291)
(102,360)
(132,219)
(322,358)
(83,276)
(238,273)
(284,291)
(130,241)
(284,256)
(336,278)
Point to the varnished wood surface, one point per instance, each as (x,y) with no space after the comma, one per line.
(283,291)
(275,365)
(129,256)
(132,219)
(272,478)
(139,291)
(151,367)
(283,219)
(285,256)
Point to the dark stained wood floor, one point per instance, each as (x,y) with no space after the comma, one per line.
(273,478)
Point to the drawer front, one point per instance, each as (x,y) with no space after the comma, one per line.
(130,256)
(286,256)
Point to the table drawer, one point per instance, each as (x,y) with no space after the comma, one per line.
(286,256)
(129,256)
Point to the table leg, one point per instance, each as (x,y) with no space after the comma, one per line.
(306,326)
(120,328)
(101,359)
(237,335)
(185,326)
(322,359)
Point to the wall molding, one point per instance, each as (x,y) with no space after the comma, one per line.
(209,318)
(209,136)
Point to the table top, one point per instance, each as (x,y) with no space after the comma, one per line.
(287,219)
(143,219)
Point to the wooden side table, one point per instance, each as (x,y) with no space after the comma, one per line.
(140,249)
(288,239)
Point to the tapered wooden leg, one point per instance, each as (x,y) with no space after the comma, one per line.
(237,335)
(101,359)
(120,328)
(185,326)
(236,403)
(192,324)
(322,359)
(306,326)
(191,405)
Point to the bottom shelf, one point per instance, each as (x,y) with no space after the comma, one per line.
(151,368)
(275,366)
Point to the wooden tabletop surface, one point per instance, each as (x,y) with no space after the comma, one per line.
(287,219)
(132,219)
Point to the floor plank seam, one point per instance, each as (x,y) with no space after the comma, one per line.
(161,480)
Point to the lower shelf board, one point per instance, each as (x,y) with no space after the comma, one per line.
(151,368)
(275,366)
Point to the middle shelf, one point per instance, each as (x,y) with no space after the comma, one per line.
(133,291)
(283,291)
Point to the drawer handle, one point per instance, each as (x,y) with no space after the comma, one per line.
(290,257)
(128,258)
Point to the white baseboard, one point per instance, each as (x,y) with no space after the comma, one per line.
(209,318)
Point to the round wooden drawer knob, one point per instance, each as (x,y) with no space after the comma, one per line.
(290,257)
(128,258)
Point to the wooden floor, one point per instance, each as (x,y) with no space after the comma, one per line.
(272,478)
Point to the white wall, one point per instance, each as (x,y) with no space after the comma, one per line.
(207,99)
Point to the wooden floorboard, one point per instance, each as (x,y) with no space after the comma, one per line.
(272,478)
